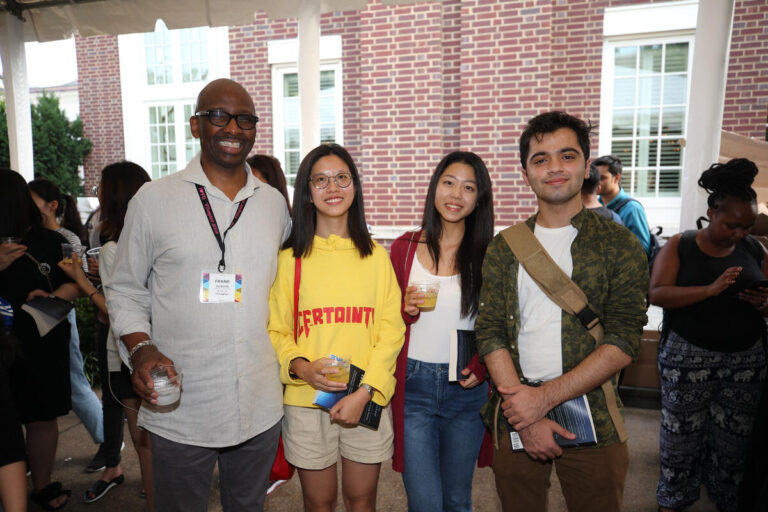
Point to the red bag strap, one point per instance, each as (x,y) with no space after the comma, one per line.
(296,281)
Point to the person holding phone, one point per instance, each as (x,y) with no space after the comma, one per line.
(712,358)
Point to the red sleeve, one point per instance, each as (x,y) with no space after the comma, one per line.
(478,368)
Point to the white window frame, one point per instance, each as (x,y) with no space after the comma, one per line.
(646,24)
(138,96)
(283,58)
(180,124)
(278,137)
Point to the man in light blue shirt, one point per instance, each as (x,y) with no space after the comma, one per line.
(190,290)
(614,197)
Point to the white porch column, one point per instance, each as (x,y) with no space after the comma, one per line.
(705,112)
(309,73)
(16,94)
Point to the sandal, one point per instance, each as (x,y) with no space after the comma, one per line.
(49,493)
(101,488)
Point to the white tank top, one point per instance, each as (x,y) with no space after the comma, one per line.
(431,334)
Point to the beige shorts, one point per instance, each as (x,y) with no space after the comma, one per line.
(311,441)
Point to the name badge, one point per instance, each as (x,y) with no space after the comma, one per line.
(216,288)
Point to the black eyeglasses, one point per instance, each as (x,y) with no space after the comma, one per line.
(321,181)
(219,117)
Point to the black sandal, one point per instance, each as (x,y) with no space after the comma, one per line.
(49,493)
(100,489)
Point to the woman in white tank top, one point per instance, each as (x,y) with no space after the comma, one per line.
(438,430)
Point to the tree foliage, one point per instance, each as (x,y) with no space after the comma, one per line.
(5,153)
(57,144)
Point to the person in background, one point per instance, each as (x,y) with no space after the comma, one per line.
(268,169)
(590,192)
(711,283)
(438,428)
(40,378)
(13,480)
(616,198)
(92,226)
(119,183)
(60,214)
(347,305)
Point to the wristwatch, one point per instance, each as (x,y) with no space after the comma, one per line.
(368,388)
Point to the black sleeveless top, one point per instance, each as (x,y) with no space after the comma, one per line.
(723,323)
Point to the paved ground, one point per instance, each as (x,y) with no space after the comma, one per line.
(76,449)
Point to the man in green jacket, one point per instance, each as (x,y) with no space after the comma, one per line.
(521,333)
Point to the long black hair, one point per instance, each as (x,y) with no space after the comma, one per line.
(478,228)
(119,183)
(731,179)
(304,213)
(270,169)
(18,212)
(66,211)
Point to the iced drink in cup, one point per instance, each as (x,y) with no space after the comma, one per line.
(342,364)
(168,388)
(10,240)
(430,290)
(68,250)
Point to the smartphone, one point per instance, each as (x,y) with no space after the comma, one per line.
(743,284)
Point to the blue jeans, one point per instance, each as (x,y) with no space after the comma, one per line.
(85,403)
(442,434)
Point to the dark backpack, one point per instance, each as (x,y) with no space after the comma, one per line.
(656,240)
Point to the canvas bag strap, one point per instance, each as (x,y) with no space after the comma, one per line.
(296,281)
(566,294)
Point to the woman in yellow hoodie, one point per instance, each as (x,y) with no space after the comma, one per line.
(335,294)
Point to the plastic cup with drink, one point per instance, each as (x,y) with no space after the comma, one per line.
(430,289)
(341,363)
(70,250)
(10,240)
(94,253)
(168,387)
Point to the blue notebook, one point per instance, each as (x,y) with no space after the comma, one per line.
(463,349)
(371,414)
(573,415)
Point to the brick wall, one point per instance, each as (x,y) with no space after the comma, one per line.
(101,110)
(249,66)
(746,92)
(423,79)
(402,108)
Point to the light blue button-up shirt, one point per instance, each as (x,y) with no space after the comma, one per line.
(231,387)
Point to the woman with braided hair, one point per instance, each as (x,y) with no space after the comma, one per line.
(712,285)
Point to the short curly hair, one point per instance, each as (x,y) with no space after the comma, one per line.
(550,122)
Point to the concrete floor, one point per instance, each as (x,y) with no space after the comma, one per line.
(76,449)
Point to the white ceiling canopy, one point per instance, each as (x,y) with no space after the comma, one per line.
(48,20)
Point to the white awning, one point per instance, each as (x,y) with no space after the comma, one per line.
(50,20)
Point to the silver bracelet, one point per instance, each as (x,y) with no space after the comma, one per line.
(139,346)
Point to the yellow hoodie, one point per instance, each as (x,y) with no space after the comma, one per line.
(347,306)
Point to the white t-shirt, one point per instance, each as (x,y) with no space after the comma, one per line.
(539,343)
(430,339)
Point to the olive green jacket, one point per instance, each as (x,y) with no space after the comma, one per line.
(610,266)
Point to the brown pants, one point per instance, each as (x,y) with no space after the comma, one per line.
(591,478)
